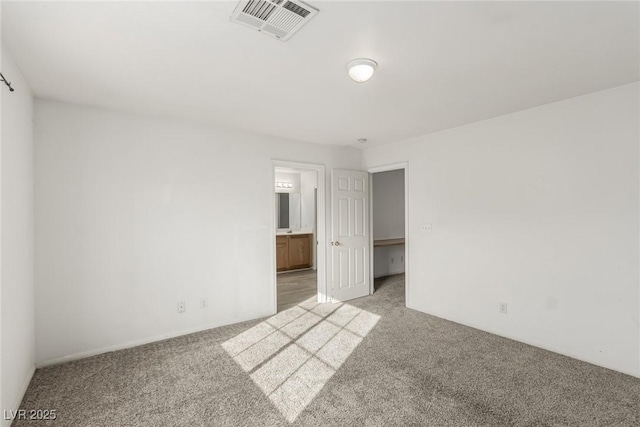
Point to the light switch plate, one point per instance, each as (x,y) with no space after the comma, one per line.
(426,228)
(502,307)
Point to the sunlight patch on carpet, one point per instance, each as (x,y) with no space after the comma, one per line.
(293,354)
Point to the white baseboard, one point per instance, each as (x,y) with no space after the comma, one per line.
(142,341)
(541,345)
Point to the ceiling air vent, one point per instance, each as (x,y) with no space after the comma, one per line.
(277,18)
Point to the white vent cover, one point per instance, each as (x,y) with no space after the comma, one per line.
(278,18)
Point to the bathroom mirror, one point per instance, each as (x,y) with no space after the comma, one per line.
(288,210)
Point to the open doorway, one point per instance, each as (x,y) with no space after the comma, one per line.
(389,228)
(299,224)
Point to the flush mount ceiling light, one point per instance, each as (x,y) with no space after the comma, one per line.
(361,69)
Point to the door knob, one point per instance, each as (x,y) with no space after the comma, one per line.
(336,243)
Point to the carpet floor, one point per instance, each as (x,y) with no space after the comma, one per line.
(369,362)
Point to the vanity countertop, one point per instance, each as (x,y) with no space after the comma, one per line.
(292,232)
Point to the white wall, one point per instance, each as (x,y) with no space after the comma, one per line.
(304,183)
(293,178)
(388,204)
(388,260)
(17,253)
(388,221)
(308,183)
(538,209)
(295,200)
(134,214)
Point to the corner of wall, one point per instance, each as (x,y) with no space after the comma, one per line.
(17,298)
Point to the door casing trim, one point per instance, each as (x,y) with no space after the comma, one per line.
(386,168)
(321,232)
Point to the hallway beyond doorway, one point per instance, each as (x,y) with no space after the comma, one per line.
(295,287)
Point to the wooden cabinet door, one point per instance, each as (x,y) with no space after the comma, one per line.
(300,251)
(282,253)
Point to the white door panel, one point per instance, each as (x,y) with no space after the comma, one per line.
(350,234)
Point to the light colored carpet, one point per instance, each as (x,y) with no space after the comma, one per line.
(370,362)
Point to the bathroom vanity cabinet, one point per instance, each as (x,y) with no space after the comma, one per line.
(294,251)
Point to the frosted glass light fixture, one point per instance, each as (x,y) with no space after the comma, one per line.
(361,69)
(284,185)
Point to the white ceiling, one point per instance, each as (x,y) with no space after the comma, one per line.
(441,64)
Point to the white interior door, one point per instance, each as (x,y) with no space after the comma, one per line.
(350,234)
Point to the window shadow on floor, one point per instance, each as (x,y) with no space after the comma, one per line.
(293,354)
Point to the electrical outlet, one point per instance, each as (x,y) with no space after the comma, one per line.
(204,303)
(502,307)
(182,307)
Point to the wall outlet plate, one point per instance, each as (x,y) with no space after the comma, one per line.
(182,307)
